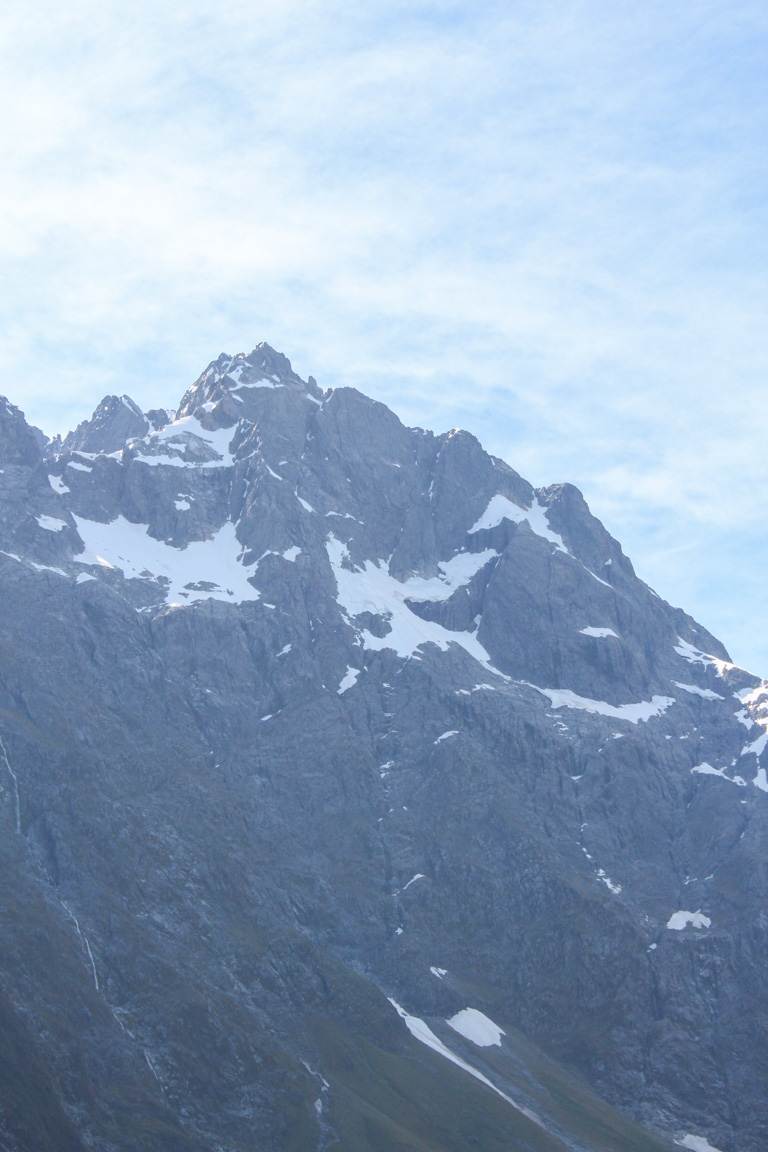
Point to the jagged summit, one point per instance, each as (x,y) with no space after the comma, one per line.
(231,377)
(116,420)
(19,443)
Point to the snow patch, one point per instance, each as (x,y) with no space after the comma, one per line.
(632,713)
(51,523)
(502,508)
(694,656)
(446,736)
(348,680)
(705,693)
(204,570)
(706,769)
(680,920)
(477,1027)
(598,632)
(424,1034)
(58,485)
(372,589)
(696,1143)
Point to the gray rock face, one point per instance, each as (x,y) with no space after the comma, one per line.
(116,420)
(317,731)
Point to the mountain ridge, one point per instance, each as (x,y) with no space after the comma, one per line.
(304,708)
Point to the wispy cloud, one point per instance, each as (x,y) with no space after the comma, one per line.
(544,222)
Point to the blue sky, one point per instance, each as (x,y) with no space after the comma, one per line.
(544,222)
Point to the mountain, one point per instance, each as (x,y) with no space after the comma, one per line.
(358,796)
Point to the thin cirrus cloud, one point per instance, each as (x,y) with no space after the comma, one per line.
(546,223)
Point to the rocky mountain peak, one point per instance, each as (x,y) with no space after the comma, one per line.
(227,381)
(116,420)
(19,443)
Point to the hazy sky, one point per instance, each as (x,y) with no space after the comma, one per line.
(544,222)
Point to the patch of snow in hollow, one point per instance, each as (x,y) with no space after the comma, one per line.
(372,589)
(694,656)
(705,693)
(424,1034)
(502,508)
(680,920)
(129,547)
(33,564)
(440,973)
(696,1143)
(51,523)
(757,747)
(304,503)
(291,553)
(753,697)
(182,505)
(454,573)
(168,445)
(477,1027)
(344,516)
(285,650)
(446,736)
(610,884)
(84,577)
(263,382)
(632,713)
(744,718)
(58,485)
(652,947)
(761,780)
(348,680)
(599,633)
(78,467)
(398,931)
(413,879)
(272,472)
(705,769)
(484,688)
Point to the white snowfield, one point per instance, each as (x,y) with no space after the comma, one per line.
(424,1034)
(51,523)
(694,690)
(168,446)
(446,736)
(128,547)
(599,633)
(696,1143)
(502,508)
(475,1026)
(632,713)
(348,679)
(372,589)
(706,769)
(680,920)
(694,656)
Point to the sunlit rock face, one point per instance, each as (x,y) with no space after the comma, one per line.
(356,795)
